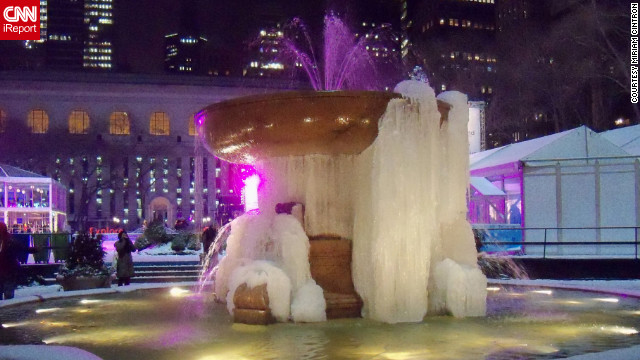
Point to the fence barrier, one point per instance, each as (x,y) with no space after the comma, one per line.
(565,242)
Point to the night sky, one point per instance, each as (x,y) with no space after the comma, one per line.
(142,24)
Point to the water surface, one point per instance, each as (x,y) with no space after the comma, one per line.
(522,323)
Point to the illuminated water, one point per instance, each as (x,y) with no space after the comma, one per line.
(346,61)
(152,324)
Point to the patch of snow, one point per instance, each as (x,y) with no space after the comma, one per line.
(39,352)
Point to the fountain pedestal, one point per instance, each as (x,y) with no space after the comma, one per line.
(330,261)
(252,305)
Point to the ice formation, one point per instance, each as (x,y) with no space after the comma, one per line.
(323,183)
(401,202)
(309,304)
(460,290)
(273,250)
(412,213)
(261,272)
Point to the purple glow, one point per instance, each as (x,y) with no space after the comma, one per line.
(176,336)
(347,64)
(251,192)
(199,118)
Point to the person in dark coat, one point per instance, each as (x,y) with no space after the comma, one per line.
(124,265)
(208,237)
(10,271)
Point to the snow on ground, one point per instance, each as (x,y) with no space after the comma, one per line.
(42,293)
(632,353)
(39,352)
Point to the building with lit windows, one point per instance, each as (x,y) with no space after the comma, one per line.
(382,43)
(124,146)
(34,44)
(453,41)
(98,44)
(266,55)
(184,53)
(64,46)
(74,35)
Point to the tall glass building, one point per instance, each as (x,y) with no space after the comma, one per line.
(75,34)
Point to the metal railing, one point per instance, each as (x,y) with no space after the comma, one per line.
(564,242)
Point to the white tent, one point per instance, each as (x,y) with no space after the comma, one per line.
(571,186)
(628,138)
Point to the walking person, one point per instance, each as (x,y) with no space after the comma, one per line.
(10,271)
(124,265)
(208,237)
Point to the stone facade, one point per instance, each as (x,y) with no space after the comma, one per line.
(152,167)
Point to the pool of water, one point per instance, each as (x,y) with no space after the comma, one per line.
(522,323)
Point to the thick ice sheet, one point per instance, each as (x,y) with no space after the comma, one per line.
(410,213)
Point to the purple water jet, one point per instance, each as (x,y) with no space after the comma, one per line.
(347,59)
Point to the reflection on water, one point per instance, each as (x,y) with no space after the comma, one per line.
(173,324)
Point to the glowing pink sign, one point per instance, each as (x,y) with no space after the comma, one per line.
(251,192)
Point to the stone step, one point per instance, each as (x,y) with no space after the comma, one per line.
(151,272)
(161,279)
(148,273)
(343,305)
(166,272)
(143,267)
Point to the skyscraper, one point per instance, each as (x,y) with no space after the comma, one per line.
(453,41)
(98,21)
(75,35)
(184,48)
(183,53)
(266,56)
(64,45)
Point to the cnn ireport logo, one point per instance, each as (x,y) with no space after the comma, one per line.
(20,20)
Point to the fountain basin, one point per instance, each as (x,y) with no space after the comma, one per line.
(294,123)
(522,323)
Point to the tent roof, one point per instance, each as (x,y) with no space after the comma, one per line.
(627,138)
(485,187)
(12,171)
(580,142)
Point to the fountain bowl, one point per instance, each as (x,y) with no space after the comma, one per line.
(294,123)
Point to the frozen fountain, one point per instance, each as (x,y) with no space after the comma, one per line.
(382,179)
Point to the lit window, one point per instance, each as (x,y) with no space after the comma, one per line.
(192,125)
(78,122)
(3,121)
(119,123)
(38,121)
(159,124)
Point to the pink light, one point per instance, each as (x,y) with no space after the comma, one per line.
(199,119)
(251,192)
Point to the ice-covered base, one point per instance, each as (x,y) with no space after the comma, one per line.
(271,250)
(460,290)
(410,212)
